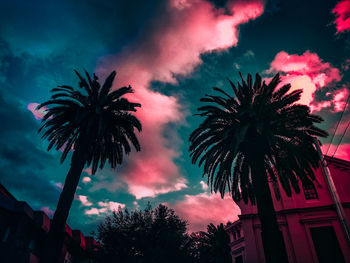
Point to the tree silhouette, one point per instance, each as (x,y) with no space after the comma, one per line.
(149,235)
(212,246)
(97,125)
(256,134)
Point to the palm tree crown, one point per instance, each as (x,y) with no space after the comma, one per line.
(258,120)
(97,119)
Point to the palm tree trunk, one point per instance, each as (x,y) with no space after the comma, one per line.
(272,238)
(56,234)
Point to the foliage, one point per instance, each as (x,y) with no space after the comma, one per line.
(212,246)
(97,125)
(149,235)
(96,116)
(258,120)
(256,134)
(159,235)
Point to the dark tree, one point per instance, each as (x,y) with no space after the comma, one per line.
(96,124)
(150,235)
(257,133)
(212,246)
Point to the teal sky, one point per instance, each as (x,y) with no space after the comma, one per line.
(172,53)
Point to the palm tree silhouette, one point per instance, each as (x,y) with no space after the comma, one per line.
(97,125)
(256,135)
(219,244)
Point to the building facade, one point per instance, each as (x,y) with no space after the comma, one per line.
(23,234)
(309,222)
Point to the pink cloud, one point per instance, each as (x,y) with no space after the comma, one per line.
(95,211)
(346,64)
(38,114)
(204,185)
(342,14)
(47,211)
(203,209)
(340,99)
(104,207)
(307,72)
(58,185)
(84,201)
(173,46)
(343,151)
(110,205)
(320,105)
(149,190)
(88,170)
(336,100)
(86,179)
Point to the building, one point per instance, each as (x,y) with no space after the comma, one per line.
(311,229)
(23,233)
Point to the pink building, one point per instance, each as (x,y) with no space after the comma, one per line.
(309,222)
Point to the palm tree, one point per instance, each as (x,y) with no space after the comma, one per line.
(219,244)
(97,125)
(257,134)
(212,246)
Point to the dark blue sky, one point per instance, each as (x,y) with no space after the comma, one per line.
(173,54)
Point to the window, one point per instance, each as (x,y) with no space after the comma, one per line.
(326,244)
(31,245)
(6,235)
(310,191)
(239,259)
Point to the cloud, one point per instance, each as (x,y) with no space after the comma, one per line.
(84,201)
(58,185)
(136,205)
(333,101)
(171,46)
(29,185)
(346,64)
(307,72)
(140,191)
(86,179)
(88,170)
(205,208)
(340,99)
(38,114)
(104,207)
(342,14)
(204,185)
(249,54)
(22,162)
(110,205)
(343,151)
(95,211)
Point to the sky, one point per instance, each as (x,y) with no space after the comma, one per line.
(172,52)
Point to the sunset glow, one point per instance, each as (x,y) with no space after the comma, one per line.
(172,53)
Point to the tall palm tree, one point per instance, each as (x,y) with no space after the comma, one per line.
(257,134)
(97,125)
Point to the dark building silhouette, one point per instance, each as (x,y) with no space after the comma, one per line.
(23,233)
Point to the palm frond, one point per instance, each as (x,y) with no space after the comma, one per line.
(101,116)
(256,117)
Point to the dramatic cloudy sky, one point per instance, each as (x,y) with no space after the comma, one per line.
(172,52)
